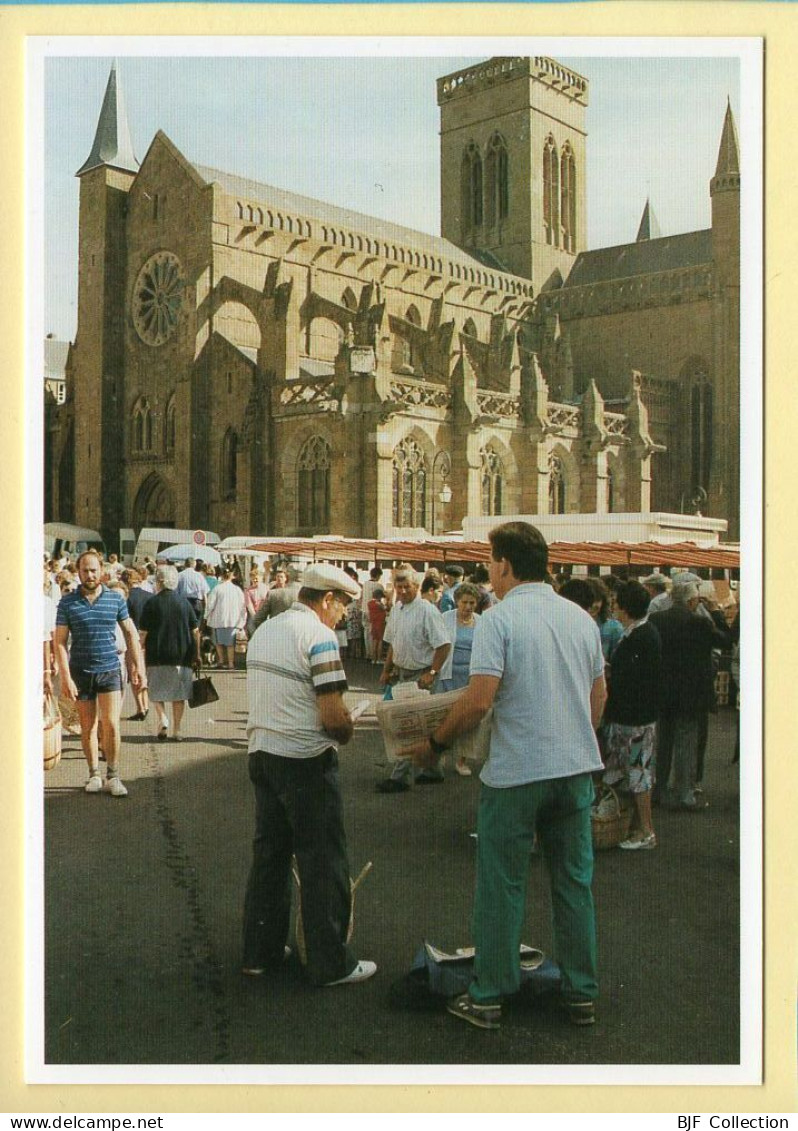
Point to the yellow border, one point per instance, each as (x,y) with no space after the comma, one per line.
(777,23)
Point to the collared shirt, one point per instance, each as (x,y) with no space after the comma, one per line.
(546,652)
(192,584)
(415,631)
(291,660)
(91,625)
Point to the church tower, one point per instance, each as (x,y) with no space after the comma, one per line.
(105,180)
(724,478)
(513,164)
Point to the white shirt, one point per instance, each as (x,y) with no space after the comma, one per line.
(226,607)
(291,660)
(415,631)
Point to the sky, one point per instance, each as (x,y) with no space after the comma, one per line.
(362,133)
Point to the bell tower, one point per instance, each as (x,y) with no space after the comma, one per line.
(105,179)
(513,164)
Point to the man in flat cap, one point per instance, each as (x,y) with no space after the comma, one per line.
(297,720)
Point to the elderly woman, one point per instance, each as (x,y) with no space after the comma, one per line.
(460,623)
(169,633)
(632,710)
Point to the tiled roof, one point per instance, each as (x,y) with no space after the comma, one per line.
(645,257)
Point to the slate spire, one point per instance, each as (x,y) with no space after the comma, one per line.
(649,226)
(729,152)
(112,144)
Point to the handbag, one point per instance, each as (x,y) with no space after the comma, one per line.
(52,733)
(202,692)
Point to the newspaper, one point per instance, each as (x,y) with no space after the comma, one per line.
(410,718)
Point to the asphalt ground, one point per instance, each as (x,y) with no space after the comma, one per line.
(143,899)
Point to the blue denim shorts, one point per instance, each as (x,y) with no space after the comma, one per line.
(92,684)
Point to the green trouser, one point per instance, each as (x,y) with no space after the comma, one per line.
(559,811)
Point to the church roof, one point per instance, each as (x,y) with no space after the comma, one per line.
(330,214)
(112,144)
(644,257)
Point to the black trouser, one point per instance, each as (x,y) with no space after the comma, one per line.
(298,813)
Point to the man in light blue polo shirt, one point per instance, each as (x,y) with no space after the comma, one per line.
(537,661)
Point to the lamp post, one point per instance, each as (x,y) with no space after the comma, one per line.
(441,467)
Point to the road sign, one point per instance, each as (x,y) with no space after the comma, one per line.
(199,538)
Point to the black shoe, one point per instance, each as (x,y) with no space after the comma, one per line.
(391,785)
(430,779)
(139,717)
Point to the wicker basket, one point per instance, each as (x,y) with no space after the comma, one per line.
(299,930)
(52,733)
(611,825)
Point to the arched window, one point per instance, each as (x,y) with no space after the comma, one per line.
(700,432)
(471,189)
(409,485)
(171,426)
(556,486)
(568,197)
(492,481)
(228,465)
(407,355)
(142,426)
(610,491)
(497,195)
(313,486)
(470,328)
(551,192)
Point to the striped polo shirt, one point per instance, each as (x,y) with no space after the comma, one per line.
(291,660)
(92,628)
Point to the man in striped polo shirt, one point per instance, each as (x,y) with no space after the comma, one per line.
(297,719)
(90,671)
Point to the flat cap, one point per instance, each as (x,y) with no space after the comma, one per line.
(326,577)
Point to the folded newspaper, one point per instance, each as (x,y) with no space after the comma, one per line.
(412,715)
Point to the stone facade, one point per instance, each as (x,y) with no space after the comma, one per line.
(252,361)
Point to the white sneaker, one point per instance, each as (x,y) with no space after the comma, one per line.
(94,784)
(363,970)
(115,787)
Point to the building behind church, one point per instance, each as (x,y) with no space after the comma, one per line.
(254,361)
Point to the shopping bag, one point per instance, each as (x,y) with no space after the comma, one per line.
(202,692)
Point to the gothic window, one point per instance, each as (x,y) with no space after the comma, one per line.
(551,192)
(556,486)
(171,426)
(142,426)
(493,479)
(229,465)
(409,485)
(610,491)
(313,485)
(471,189)
(568,198)
(701,432)
(497,196)
(407,356)
(470,328)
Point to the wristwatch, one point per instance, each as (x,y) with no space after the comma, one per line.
(432,671)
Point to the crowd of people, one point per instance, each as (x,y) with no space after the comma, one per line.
(590,680)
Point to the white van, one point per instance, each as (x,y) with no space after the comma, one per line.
(153,539)
(65,538)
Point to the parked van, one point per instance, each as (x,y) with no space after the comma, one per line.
(153,539)
(64,538)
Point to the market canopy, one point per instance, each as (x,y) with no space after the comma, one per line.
(185,550)
(668,555)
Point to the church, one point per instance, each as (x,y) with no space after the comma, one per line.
(253,361)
